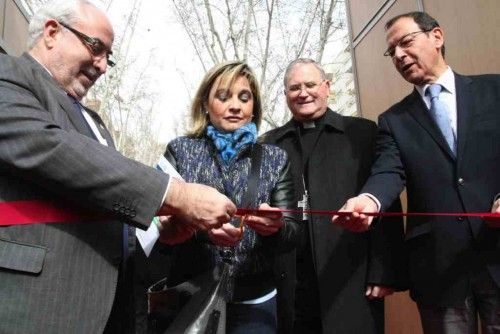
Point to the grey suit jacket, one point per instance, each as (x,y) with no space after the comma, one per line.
(61,278)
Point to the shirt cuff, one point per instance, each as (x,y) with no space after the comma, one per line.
(373,198)
(165,194)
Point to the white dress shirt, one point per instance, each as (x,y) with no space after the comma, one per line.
(448,95)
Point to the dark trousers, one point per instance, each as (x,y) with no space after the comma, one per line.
(252,318)
(121,319)
(483,299)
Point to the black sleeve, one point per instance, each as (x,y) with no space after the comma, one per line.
(282,196)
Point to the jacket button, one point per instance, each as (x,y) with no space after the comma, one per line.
(283,275)
(460,219)
(132,213)
(461,181)
(116,207)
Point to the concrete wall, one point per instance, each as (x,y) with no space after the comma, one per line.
(472,47)
(13,27)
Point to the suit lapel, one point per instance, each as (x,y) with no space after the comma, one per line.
(418,110)
(465,111)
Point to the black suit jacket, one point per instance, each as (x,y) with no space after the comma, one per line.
(62,278)
(411,151)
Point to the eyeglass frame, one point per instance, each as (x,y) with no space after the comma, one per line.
(391,52)
(304,84)
(95,45)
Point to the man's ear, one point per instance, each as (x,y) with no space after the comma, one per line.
(438,35)
(327,84)
(51,32)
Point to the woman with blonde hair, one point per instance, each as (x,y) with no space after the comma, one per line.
(221,150)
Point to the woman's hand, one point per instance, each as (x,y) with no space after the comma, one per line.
(174,232)
(265,223)
(227,235)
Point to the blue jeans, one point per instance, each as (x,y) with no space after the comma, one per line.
(484,299)
(258,318)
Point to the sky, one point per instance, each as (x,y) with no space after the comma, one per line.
(174,69)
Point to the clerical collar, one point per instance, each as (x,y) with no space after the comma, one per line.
(309,125)
(313,123)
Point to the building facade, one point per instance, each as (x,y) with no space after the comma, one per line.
(13,27)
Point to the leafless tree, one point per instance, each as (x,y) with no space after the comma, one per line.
(266,33)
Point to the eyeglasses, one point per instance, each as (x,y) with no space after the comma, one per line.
(404,42)
(96,46)
(309,87)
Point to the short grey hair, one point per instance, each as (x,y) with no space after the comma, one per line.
(303,61)
(66,11)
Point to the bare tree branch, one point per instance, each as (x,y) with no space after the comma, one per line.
(211,25)
(246,26)
(192,38)
(267,34)
(231,31)
(326,24)
(270,11)
(305,36)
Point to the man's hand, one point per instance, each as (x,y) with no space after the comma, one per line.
(197,204)
(378,291)
(265,223)
(172,233)
(227,235)
(356,222)
(494,222)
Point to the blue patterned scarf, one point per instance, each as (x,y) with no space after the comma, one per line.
(230,143)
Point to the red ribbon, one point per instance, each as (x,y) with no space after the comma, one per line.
(40,212)
(242,212)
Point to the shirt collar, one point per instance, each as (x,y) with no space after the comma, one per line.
(42,65)
(447,80)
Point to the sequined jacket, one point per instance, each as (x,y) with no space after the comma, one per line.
(197,160)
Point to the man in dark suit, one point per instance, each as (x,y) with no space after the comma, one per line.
(446,166)
(341,275)
(67,277)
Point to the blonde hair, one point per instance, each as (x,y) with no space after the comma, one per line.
(228,72)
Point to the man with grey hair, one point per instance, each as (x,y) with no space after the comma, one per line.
(341,276)
(58,165)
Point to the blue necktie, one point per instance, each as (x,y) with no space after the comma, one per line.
(79,112)
(439,112)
